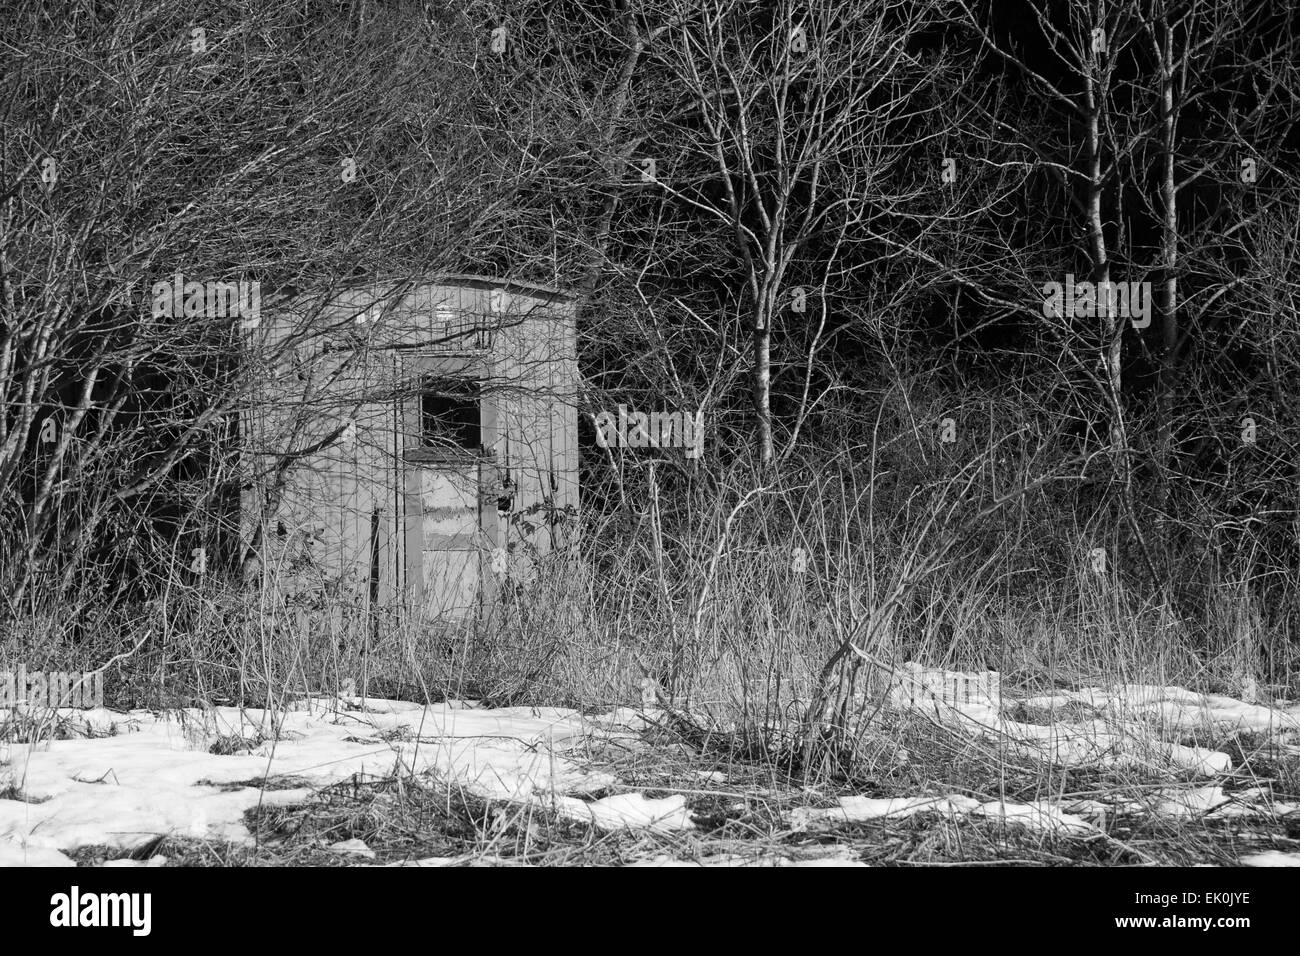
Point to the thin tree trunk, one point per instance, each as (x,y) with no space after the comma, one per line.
(763,389)
(1112,346)
(1169,312)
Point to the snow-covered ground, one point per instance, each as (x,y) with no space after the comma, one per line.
(137,775)
(123,779)
(1126,725)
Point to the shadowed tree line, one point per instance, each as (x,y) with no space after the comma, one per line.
(827,225)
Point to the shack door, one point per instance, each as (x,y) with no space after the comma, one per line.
(450,506)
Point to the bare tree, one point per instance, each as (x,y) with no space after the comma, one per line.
(148,157)
(806,115)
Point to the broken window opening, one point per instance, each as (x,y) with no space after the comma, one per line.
(451,417)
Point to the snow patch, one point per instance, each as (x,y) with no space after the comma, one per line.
(1271,858)
(1126,730)
(1036,816)
(14,853)
(629,810)
(153,861)
(836,856)
(353,847)
(855,809)
(144,780)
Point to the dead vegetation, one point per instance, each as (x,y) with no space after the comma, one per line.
(743,796)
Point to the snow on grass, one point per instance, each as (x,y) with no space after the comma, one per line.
(153,861)
(1214,801)
(1271,858)
(1130,719)
(119,780)
(1176,708)
(1036,816)
(466,859)
(17,853)
(353,847)
(1210,802)
(835,856)
(156,774)
(854,809)
(629,810)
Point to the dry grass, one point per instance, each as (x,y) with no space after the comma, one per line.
(780,669)
(741,802)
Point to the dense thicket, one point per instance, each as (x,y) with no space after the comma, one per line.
(828,224)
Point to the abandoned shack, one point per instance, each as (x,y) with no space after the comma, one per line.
(410,447)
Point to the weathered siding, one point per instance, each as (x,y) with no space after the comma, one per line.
(361,506)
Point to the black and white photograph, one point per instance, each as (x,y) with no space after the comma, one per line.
(463,434)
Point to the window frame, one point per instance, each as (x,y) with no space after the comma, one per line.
(419,369)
